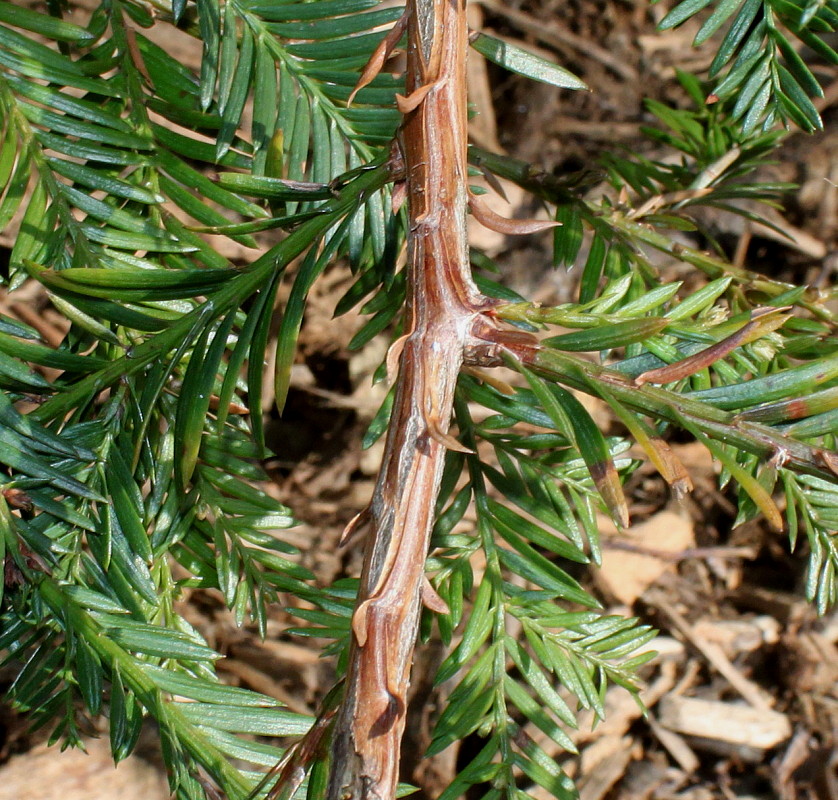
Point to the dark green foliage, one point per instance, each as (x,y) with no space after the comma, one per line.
(756,66)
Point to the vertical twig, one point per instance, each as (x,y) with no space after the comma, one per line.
(443,303)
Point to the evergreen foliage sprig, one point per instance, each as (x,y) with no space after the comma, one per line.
(757,67)
(130,474)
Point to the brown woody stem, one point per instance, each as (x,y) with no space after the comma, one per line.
(443,306)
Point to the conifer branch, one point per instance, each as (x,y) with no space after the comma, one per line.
(443,303)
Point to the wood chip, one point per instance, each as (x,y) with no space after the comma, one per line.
(790,610)
(714,654)
(676,746)
(47,774)
(601,771)
(626,575)
(797,751)
(646,779)
(728,723)
(736,636)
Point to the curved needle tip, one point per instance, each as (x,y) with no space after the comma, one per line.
(394,353)
(355,526)
(412,101)
(431,599)
(359,623)
(446,439)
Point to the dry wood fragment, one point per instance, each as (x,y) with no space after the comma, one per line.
(611,757)
(646,780)
(788,609)
(675,746)
(736,636)
(46,774)
(797,752)
(712,721)
(812,663)
(668,648)
(714,655)
(626,575)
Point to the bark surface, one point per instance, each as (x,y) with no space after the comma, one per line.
(443,303)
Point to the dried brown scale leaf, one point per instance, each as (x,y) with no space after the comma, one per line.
(17,498)
(510,227)
(412,101)
(431,599)
(763,321)
(398,196)
(355,527)
(394,354)
(444,438)
(380,56)
(491,380)
(829,459)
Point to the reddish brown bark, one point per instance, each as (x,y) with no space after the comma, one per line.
(443,304)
